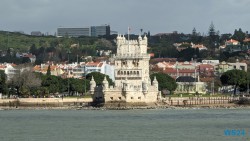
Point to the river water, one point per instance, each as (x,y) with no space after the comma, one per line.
(124,125)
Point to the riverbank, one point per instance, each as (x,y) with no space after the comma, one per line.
(217,106)
(86,104)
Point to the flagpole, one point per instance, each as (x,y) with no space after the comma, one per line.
(128,40)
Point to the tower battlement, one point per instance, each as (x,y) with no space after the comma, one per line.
(125,46)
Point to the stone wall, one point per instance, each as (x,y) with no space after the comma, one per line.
(182,101)
(44,102)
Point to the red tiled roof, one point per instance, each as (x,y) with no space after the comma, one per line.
(156,60)
(246,40)
(100,64)
(94,64)
(206,79)
(232,41)
(205,66)
(171,70)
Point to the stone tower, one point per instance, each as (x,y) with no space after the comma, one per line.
(132,81)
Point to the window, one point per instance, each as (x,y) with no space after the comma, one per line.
(119,98)
(139,97)
(132,97)
(111,98)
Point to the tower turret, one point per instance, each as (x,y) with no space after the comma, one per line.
(105,83)
(145,40)
(92,85)
(155,83)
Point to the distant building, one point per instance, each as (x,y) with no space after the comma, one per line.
(94,31)
(211,62)
(188,84)
(73,32)
(36,33)
(113,32)
(100,30)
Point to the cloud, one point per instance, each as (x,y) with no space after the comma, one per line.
(156,16)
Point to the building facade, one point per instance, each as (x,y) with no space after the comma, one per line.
(73,32)
(94,31)
(132,81)
(100,30)
(189,84)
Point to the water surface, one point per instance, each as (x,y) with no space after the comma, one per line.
(123,125)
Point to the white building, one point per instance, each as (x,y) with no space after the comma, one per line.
(132,81)
(10,71)
(101,67)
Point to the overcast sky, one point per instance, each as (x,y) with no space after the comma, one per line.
(156,16)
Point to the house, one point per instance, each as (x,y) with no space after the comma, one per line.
(239,65)
(199,46)
(188,84)
(205,70)
(54,69)
(232,42)
(222,67)
(175,73)
(102,67)
(10,71)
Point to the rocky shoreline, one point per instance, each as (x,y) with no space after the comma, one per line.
(224,106)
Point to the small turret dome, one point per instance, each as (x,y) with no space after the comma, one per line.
(155,80)
(92,82)
(140,38)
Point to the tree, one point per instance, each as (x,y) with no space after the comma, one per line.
(24,80)
(99,77)
(48,71)
(78,85)
(239,35)
(211,30)
(194,32)
(234,77)
(3,86)
(188,53)
(33,49)
(213,36)
(165,81)
(51,82)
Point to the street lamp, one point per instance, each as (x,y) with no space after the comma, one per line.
(85,78)
(68,52)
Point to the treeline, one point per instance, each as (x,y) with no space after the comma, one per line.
(30,84)
(50,48)
(162,45)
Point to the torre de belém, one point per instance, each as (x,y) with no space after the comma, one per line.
(132,81)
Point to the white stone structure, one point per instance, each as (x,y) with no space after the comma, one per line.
(132,81)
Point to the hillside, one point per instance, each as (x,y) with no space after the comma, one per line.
(50,48)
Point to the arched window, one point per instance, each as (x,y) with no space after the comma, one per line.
(127,72)
(118,72)
(137,72)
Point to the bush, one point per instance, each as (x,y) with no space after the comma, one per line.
(244,101)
